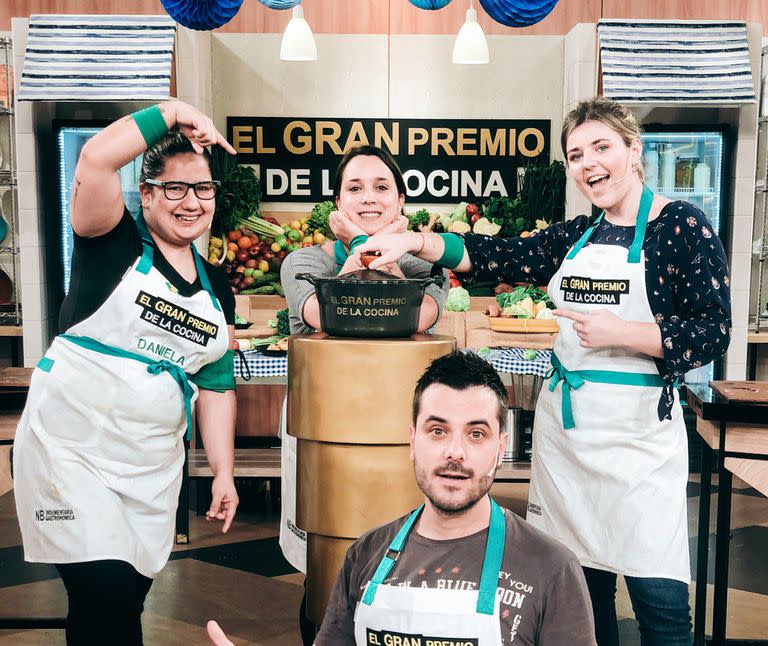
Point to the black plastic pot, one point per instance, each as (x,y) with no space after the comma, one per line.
(369,303)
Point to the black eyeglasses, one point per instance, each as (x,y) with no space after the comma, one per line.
(177,190)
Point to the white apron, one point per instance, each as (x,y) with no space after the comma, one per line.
(99,450)
(608,479)
(293,541)
(389,612)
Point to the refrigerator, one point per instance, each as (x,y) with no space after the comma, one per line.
(690,163)
(70,139)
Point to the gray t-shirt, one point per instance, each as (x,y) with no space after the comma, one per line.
(313,260)
(544,598)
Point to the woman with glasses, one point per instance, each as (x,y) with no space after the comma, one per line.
(147,328)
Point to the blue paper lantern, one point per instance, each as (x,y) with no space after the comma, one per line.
(518,13)
(202,15)
(430,5)
(280,4)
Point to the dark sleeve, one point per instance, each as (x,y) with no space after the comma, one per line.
(98,265)
(222,291)
(514,260)
(567,614)
(700,328)
(338,628)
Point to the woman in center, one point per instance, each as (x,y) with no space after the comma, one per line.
(369,193)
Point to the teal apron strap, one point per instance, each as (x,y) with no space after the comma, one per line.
(205,283)
(494,554)
(584,238)
(646,200)
(147,244)
(387,563)
(340,254)
(153,367)
(574,379)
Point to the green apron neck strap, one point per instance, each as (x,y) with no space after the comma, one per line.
(147,244)
(494,554)
(205,282)
(387,562)
(340,254)
(584,238)
(489,579)
(646,200)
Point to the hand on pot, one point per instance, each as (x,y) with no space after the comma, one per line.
(392,247)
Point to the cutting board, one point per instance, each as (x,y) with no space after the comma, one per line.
(752,392)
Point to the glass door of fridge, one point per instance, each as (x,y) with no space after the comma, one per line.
(70,141)
(688,166)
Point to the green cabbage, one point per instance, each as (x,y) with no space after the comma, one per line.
(458,300)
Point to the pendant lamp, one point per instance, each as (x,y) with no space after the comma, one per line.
(298,42)
(518,13)
(470,46)
(430,5)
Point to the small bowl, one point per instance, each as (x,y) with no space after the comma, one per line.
(368,257)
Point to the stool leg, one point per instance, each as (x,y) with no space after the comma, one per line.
(702,546)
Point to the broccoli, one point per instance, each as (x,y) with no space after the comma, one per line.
(458,300)
(418,219)
(318,219)
(283,325)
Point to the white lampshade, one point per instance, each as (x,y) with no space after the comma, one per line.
(470,47)
(298,43)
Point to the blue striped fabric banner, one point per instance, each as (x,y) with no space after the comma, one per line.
(97,58)
(675,62)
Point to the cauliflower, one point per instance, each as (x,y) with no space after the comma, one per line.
(485,227)
(459,227)
(458,300)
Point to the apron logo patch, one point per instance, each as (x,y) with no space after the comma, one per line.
(176,320)
(534,509)
(602,291)
(43,515)
(389,638)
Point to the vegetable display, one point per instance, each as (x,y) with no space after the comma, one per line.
(526,302)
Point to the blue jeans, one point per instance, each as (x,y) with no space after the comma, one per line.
(661,609)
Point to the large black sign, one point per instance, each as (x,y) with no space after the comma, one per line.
(443,160)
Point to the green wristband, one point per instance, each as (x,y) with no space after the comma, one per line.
(454,251)
(151,124)
(357,241)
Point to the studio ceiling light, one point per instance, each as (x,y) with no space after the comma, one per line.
(470,46)
(298,42)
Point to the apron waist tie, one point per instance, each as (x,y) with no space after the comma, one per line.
(153,367)
(574,379)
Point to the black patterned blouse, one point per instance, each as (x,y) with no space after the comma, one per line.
(686,278)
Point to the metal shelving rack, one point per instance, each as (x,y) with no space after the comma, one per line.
(760,237)
(10,316)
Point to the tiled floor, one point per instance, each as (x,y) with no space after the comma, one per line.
(242,580)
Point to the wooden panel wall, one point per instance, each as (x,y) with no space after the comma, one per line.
(401,17)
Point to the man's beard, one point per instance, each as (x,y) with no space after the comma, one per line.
(446,504)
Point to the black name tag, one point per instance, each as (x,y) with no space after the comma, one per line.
(176,320)
(597,291)
(389,638)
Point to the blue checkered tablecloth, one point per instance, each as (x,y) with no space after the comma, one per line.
(511,360)
(259,365)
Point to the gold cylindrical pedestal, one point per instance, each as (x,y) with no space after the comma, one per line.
(349,406)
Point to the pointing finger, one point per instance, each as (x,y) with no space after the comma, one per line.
(569,314)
